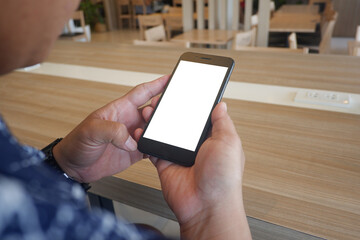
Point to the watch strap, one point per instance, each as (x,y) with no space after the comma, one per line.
(52,163)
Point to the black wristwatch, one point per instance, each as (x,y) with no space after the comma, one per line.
(51,162)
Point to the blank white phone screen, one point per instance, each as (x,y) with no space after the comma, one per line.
(185,107)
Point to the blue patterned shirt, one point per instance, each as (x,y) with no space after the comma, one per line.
(36,203)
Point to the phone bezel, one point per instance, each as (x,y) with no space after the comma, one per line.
(176,154)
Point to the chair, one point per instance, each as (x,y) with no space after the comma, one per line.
(155,34)
(81,33)
(177,3)
(124,12)
(146,21)
(326,35)
(177,10)
(245,39)
(311,2)
(272,8)
(357,36)
(325,44)
(254,20)
(292,41)
(323,4)
(354,46)
(173,23)
(139,3)
(314,39)
(328,12)
(248,38)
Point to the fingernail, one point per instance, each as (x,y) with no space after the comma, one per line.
(225,106)
(131,144)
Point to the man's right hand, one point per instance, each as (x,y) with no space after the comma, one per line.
(207,197)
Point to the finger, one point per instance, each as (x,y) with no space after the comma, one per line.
(224,129)
(158,163)
(154,160)
(150,107)
(144,92)
(161,164)
(137,134)
(155,101)
(147,112)
(221,121)
(112,132)
(219,111)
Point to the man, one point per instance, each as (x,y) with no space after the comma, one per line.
(41,199)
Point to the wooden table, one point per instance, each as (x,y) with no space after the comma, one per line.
(303,165)
(179,15)
(295,18)
(299,9)
(206,36)
(354,48)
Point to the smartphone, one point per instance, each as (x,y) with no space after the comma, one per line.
(182,117)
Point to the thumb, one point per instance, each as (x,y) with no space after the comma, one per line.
(222,123)
(112,132)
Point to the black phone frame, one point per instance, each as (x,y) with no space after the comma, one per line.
(175,154)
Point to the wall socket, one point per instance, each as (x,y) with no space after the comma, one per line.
(335,99)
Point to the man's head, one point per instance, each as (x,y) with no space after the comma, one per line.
(28,28)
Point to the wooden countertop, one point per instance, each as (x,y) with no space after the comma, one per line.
(300,9)
(303,165)
(295,18)
(337,73)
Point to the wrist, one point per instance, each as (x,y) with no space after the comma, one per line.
(51,159)
(224,220)
(61,161)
